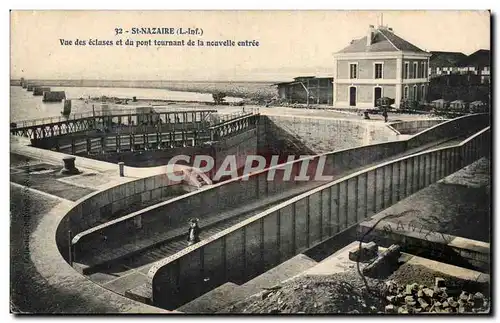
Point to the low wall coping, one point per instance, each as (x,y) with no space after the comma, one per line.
(225,232)
(213,186)
(247,176)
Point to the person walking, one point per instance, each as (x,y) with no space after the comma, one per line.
(193,235)
(386,116)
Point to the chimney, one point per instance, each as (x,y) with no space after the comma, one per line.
(369,37)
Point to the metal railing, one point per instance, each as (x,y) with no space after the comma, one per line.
(91,114)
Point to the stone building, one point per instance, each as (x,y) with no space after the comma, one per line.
(380,64)
(447,63)
(477,63)
(444,63)
(307,89)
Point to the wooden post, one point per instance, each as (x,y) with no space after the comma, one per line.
(93,116)
(145,138)
(317,91)
(121,166)
(70,249)
(117,143)
(103,144)
(307,93)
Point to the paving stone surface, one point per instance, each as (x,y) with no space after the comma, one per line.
(45,177)
(41,282)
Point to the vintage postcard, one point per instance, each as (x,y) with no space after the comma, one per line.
(250,162)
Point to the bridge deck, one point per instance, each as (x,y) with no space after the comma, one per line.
(113,120)
(168,112)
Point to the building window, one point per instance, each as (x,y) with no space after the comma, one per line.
(379,70)
(422,70)
(415,93)
(423,92)
(415,70)
(405,93)
(406,70)
(353,70)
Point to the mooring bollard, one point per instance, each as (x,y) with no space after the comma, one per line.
(69,166)
(121,165)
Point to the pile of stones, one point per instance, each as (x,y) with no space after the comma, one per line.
(415,298)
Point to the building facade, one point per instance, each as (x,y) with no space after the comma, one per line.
(448,63)
(380,64)
(477,63)
(444,63)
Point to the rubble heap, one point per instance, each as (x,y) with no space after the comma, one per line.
(415,298)
(346,293)
(382,286)
(341,293)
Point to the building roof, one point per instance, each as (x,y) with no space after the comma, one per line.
(478,58)
(303,77)
(297,80)
(384,40)
(445,59)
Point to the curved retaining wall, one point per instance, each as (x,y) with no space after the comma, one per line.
(322,135)
(414,126)
(465,125)
(95,208)
(271,237)
(44,282)
(231,194)
(176,212)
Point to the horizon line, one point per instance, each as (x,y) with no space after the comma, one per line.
(149,80)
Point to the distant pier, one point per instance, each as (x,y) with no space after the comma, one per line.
(54,96)
(39,90)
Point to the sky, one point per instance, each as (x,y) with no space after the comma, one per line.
(291,43)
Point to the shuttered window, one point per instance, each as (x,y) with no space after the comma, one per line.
(353,70)
(379,68)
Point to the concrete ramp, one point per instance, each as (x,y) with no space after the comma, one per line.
(274,276)
(230,293)
(211,301)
